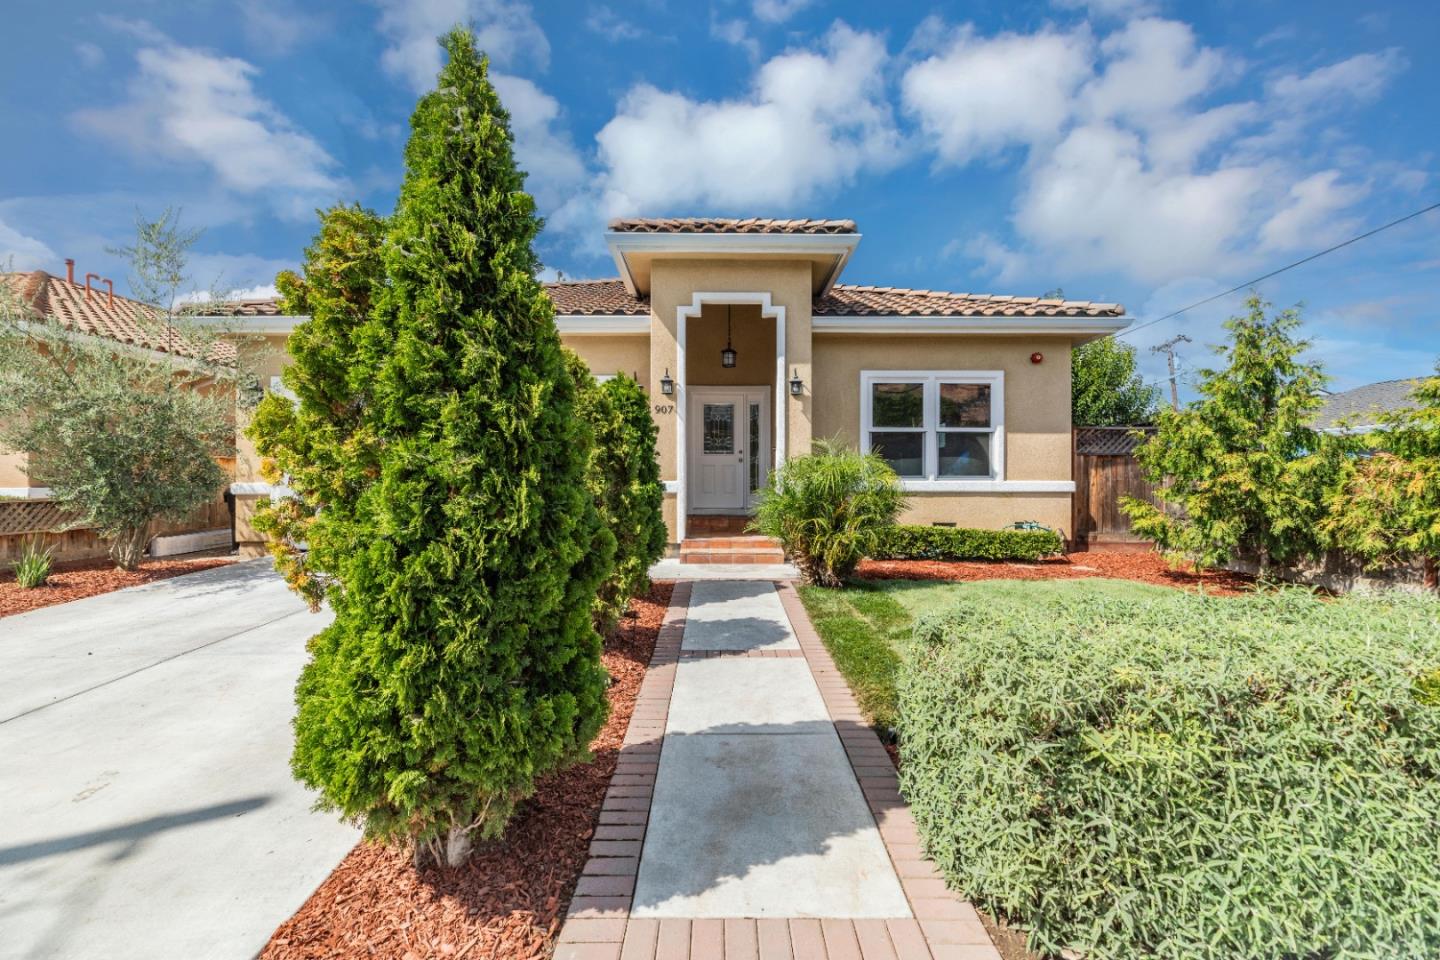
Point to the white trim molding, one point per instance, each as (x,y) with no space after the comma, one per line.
(1082,328)
(251,489)
(930,428)
(26,493)
(619,325)
(695,308)
(228,324)
(837,245)
(988,486)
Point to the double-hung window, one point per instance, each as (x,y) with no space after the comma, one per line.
(935,425)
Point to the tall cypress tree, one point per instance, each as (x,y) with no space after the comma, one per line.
(462,662)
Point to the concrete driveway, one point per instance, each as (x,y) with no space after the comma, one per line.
(146,803)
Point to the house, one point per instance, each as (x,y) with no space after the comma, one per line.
(751,348)
(1358,410)
(91,309)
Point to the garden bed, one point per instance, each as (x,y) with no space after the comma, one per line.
(1140,567)
(89,578)
(510,898)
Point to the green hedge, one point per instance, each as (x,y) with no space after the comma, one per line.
(913,542)
(1184,776)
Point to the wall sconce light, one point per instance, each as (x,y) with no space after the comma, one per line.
(727,356)
(1037,357)
(796,384)
(667,386)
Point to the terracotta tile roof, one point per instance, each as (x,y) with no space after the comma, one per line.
(243,308)
(609,298)
(728,225)
(589,298)
(119,318)
(848,300)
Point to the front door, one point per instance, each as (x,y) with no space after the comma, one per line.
(717,457)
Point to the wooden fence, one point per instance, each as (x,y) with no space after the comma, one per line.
(44,523)
(1105,469)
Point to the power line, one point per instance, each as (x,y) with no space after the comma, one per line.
(1275,273)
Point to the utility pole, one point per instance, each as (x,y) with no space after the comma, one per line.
(1168,348)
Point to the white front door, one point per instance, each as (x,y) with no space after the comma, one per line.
(717,451)
(729,441)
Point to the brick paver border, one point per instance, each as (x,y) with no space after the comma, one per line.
(598,925)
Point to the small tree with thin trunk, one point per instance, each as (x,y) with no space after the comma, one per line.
(1386,508)
(1106,389)
(1242,471)
(465,552)
(122,434)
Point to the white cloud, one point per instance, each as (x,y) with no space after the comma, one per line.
(195,105)
(736,33)
(1109,9)
(978,95)
(1360,78)
(277,26)
(543,148)
(1310,219)
(21,252)
(1135,163)
(608,24)
(504,29)
(90,55)
(812,121)
(778,11)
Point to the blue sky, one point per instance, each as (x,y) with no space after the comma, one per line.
(1145,151)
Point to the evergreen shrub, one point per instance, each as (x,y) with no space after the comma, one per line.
(916,542)
(1183,775)
(623,475)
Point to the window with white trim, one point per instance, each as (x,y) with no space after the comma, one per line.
(935,424)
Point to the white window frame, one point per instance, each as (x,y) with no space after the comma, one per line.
(931,380)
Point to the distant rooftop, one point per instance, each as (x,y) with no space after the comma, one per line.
(1361,405)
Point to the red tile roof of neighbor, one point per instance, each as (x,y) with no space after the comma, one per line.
(96,312)
(728,225)
(610,298)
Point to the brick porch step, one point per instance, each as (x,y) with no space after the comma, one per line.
(716,524)
(731,550)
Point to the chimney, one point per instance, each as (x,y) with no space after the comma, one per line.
(70,269)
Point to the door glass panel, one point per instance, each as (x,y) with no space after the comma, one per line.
(964,405)
(904,451)
(719,419)
(897,404)
(964,454)
(755,452)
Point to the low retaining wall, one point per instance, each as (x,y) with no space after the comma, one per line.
(1341,573)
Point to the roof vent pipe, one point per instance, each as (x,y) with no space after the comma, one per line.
(70,269)
(87,283)
(110,286)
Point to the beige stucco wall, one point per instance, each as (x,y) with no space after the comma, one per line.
(606,355)
(12,470)
(753,338)
(267,357)
(1037,414)
(675,282)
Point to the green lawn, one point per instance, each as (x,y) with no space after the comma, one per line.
(866,623)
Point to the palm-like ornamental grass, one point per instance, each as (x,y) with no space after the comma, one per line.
(830,509)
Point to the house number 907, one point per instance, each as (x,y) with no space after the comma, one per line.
(664,408)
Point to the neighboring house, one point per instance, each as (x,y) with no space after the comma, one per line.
(967,395)
(93,309)
(1358,410)
(89,308)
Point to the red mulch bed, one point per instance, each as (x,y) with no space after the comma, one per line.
(509,900)
(1143,567)
(72,581)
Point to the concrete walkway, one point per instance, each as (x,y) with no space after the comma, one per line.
(146,803)
(753,815)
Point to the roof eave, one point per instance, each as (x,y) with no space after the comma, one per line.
(622,244)
(1082,329)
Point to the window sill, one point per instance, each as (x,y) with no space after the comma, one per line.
(988,486)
